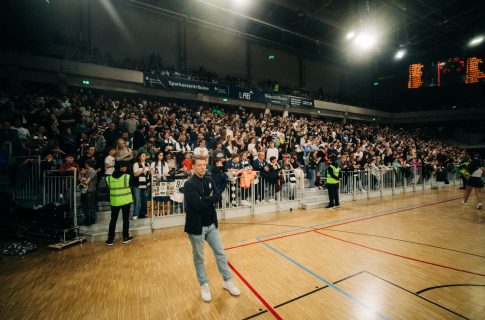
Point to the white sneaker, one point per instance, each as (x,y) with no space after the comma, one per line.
(230,286)
(479,206)
(272,200)
(134,218)
(463,203)
(205,292)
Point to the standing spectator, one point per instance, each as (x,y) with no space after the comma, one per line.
(160,172)
(139,138)
(272,151)
(150,149)
(123,153)
(201,195)
(88,178)
(131,124)
(201,149)
(9,136)
(312,167)
(110,162)
(172,164)
(141,183)
(111,135)
(97,140)
(68,118)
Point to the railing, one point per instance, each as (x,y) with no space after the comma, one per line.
(165,200)
(290,187)
(61,188)
(27,179)
(390,178)
(257,190)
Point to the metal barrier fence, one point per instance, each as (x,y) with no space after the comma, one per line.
(390,178)
(166,200)
(27,178)
(162,201)
(290,187)
(60,188)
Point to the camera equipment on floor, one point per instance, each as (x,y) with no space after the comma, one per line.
(51,223)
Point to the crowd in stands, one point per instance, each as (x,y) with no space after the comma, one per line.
(92,133)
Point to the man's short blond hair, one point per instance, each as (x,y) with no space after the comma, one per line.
(196,157)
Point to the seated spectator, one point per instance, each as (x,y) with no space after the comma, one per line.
(69,165)
(186,164)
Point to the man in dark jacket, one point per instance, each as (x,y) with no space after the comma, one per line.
(200,196)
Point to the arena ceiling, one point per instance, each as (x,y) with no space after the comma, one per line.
(319,27)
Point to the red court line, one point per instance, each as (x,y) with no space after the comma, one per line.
(339,224)
(401,256)
(266,304)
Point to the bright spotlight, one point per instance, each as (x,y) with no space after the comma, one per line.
(476,41)
(350,35)
(240,3)
(400,54)
(365,41)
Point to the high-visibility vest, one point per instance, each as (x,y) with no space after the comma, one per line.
(462,169)
(330,179)
(119,190)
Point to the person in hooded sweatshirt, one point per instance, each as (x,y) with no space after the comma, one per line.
(120,197)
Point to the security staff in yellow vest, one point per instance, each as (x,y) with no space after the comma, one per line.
(333,178)
(120,197)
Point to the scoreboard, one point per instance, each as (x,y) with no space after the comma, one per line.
(453,71)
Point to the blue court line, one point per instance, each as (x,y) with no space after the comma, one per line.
(328,283)
(348,295)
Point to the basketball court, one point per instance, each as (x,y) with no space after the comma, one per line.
(409,256)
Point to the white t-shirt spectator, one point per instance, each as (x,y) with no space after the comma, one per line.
(111,161)
(202,151)
(271,152)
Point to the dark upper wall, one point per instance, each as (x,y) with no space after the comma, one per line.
(125,31)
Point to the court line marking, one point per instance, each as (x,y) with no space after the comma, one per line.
(401,256)
(402,240)
(417,295)
(343,221)
(250,287)
(451,285)
(302,296)
(345,293)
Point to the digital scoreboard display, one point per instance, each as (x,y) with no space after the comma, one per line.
(453,71)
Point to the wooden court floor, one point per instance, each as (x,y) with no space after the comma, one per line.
(408,256)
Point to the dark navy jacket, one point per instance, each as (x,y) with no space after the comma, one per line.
(200,197)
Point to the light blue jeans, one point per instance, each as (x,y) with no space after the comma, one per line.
(213,237)
(141,198)
(311,177)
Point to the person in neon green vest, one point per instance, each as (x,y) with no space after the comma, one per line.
(334,175)
(120,197)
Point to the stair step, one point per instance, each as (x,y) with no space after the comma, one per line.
(314,205)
